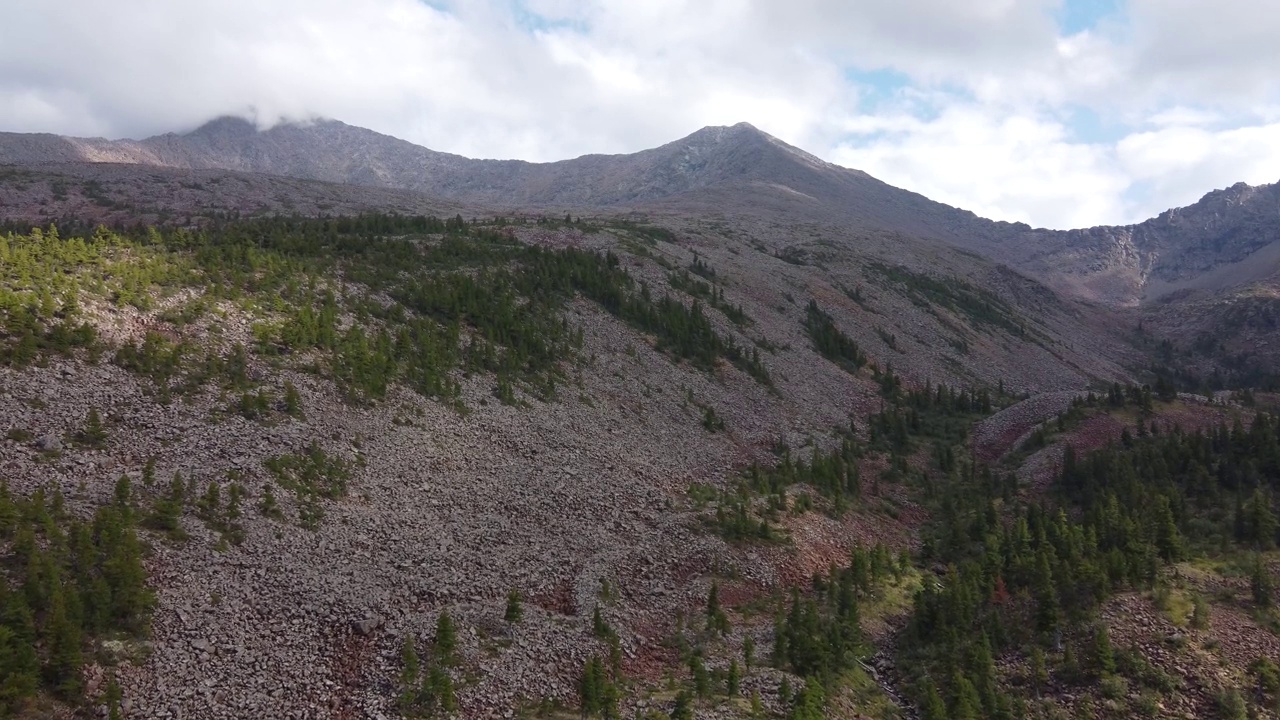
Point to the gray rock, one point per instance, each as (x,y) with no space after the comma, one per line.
(49,443)
(368,625)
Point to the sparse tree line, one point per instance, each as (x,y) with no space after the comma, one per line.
(482,303)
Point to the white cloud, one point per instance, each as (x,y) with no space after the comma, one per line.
(980,125)
(1016,168)
(1180,163)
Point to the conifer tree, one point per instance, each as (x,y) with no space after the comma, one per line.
(167,508)
(683,708)
(591,687)
(1039,672)
(932,707)
(268,506)
(701,679)
(1261,585)
(514,611)
(111,698)
(409,668)
(445,647)
(733,679)
(64,638)
(965,702)
(717,619)
(1103,658)
(437,691)
(93,434)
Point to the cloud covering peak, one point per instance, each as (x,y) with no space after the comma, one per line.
(1055,113)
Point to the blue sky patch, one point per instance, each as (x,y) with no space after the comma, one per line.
(1074,16)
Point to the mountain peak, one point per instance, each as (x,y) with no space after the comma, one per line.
(226,126)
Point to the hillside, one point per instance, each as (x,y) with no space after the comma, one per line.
(712,431)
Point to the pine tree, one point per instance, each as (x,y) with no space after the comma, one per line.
(168,509)
(409,669)
(717,620)
(1200,613)
(932,707)
(1167,537)
(734,678)
(599,627)
(683,708)
(701,679)
(1261,585)
(149,472)
(111,698)
(445,647)
(209,504)
(63,637)
(437,691)
(965,702)
(1070,664)
(1039,672)
(268,506)
(748,651)
(19,667)
(292,401)
(514,611)
(810,701)
(1261,521)
(93,434)
(591,687)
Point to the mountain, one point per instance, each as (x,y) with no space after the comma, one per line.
(748,435)
(1218,243)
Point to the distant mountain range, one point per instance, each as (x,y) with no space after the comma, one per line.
(1228,239)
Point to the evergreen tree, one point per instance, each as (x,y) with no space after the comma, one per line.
(734,678)
(445,647)
(717,619)
(1167,538)
(931,706)
(409,669)
(437,695)
(1039,671)
(94,433)
(1261,585)
(591,687)
(167,509)
(701,679)
(111,698)
(514,612)
(1260,521)
(63,636)
(1103,659)
(683,707)
(292,400)
(19,669)
(965,702)
(268,506)
(810,701)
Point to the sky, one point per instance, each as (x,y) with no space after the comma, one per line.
(1058,113)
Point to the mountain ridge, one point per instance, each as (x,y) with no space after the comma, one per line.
(734,169)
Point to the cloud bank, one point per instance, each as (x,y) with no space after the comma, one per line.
(1060,113)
